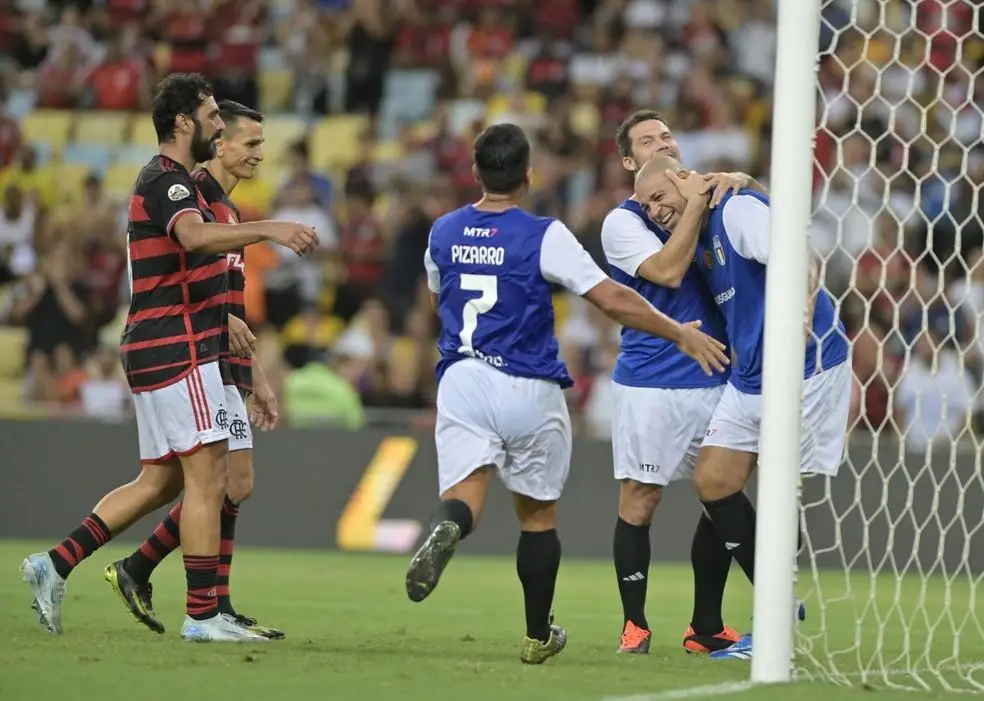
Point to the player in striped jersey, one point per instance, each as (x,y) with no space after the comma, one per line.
(238,152)
(170,350)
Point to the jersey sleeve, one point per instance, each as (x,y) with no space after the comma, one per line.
(627,241)
(747,222)
(433,274)
(169,197)
(564,261)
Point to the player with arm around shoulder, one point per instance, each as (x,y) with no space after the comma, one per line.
(170,351)
(662,400)
(238,152)
(733,252)
(500,403)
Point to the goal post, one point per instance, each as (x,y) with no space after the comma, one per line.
(878,161)
(793,128)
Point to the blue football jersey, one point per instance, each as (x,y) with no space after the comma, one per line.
(738,285)
(648,361)
(494,302)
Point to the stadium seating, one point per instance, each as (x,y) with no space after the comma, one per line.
(50,126)
(104,128)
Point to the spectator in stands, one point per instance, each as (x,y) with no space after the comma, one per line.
(238,30)
(37,184)
(319,393)
(70,36)
(119,81)
(94,227)
(18,221)
(53,304)
(405,267)
(10,138)
(363,253)
(103,392)
(370,46)
(30,43)
(62,79)
(300,171)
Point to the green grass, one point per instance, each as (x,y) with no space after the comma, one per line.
(352,634)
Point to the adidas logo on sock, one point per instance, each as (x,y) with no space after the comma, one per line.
(637,577)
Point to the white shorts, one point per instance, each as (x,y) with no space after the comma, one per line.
(237,419)
(520,425)
(826,405)
(177,420)
(656,433)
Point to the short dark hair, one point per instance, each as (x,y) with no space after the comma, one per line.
(622,139)
(231,112)
(178,93)
(502,158)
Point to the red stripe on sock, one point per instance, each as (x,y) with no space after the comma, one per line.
(68,556)
(226,546)
(150,552)
(95,530)
(164,535)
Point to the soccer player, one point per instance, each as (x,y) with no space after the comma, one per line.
(662,401)
(500,405)
(238,152)
(732,244)
(170,351)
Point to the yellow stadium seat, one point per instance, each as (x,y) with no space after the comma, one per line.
(105,128)
(275,90)
(280,133)
(13,341)
(142,131)
(388,152)
(498,104)
(296,332)
(53,126)
(255,197)
(336,141)
(585,120)
(424,131)
(69,179)
(119,179)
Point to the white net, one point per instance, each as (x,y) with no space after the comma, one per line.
(894,554)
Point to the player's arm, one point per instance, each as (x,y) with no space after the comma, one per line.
(173,202)
(266,411)
(812,290)
(717,185)
(242,342)
(564,261)
(632,248)
(433,276)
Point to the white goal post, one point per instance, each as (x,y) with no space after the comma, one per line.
(878,164)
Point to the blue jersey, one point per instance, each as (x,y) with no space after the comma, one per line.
(733,250)
(644,360)
(493,288)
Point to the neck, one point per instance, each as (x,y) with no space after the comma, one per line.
(492,202)
(227,180)
(178,154)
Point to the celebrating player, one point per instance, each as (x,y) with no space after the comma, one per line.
(238,152)
(500,405)
(170,351)
(662,400)
(732,245)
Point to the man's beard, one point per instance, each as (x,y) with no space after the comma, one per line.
(202,149)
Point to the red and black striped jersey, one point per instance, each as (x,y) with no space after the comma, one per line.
(178,297)
(240,370)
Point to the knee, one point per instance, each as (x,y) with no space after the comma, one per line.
(159,484)
(210,475)
(716,478)
(240,484)
(638,501)
(534,515)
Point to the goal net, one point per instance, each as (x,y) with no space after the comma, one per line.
(893,551)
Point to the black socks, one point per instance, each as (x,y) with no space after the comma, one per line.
(537,562)
(632,554)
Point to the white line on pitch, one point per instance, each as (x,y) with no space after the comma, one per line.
(692,692)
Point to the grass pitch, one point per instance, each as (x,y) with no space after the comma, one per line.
(352,634)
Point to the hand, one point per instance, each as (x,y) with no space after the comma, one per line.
(707,351)
(720,184)
(690,185)
(297,237)
(266,412)
(242,342)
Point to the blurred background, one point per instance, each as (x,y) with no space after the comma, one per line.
(372,106)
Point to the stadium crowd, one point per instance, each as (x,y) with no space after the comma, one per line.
(388,97)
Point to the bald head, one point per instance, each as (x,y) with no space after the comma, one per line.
(657,194)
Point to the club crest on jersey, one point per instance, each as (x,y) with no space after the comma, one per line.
(479,232)
(718,250)
(177,192)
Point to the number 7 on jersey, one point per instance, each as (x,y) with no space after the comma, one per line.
(488,285)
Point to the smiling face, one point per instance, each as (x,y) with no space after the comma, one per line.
(649,139)
(240,148)
(659,197)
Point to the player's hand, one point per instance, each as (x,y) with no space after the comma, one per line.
(707,351)
(690,185)
(720,184)
(266,412)
(242,342)
(297,237)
